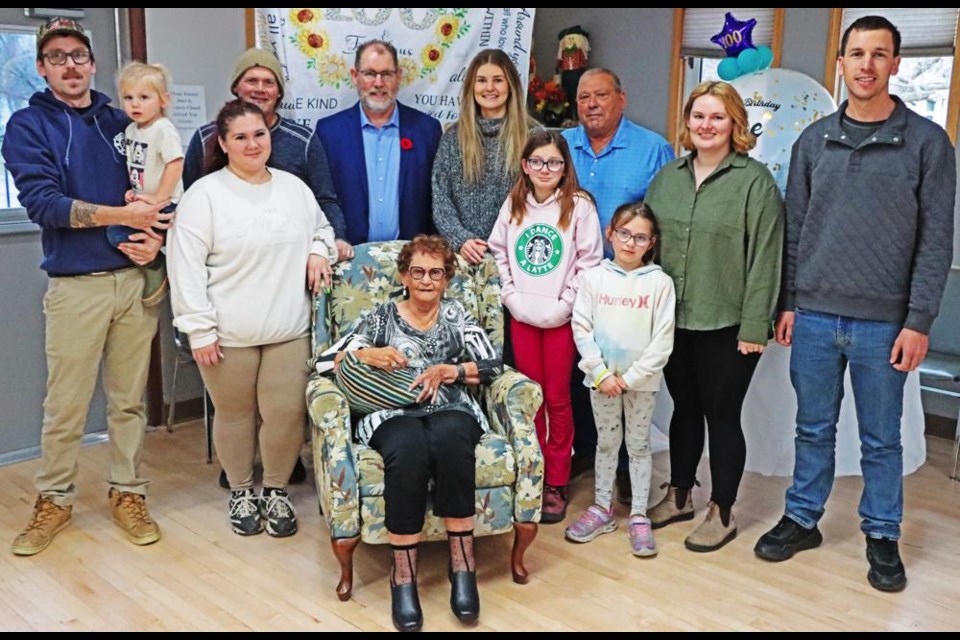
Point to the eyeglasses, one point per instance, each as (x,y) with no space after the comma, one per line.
(624,236)
(554,165)
(436,274)
(371,76)
(59,58)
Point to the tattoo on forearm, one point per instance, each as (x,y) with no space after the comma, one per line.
(81,214)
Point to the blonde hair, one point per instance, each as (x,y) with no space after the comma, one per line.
(155,76)
(740,139)
(513,131)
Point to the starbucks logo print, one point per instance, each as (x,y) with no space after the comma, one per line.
(539,249)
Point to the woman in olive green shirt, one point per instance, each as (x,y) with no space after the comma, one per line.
(721,218)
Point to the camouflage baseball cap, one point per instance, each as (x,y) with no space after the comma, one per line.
(60,27)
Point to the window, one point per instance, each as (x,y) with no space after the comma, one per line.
(695,58)
(929,80)
(18,81)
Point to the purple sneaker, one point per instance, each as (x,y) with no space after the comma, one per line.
(641,537)
(595,521)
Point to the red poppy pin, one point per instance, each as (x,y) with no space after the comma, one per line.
(406,144)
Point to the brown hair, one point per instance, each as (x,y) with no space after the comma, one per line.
(433,245)
(381,45)
(569,187)
(214,157)
(630,211)
(872,23)
(740,139)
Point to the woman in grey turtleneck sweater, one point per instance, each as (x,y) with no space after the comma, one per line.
(479,155)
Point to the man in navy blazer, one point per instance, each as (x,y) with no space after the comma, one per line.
(381,153)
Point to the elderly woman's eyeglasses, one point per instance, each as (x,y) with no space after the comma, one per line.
(436,274)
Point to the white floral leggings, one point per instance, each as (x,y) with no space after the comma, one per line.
(609,413)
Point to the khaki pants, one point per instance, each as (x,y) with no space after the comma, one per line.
(90,318)
(269,381)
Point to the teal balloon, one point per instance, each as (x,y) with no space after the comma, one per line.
(766,56)
(728,69)
(748,61)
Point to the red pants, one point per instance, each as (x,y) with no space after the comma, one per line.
(546,356)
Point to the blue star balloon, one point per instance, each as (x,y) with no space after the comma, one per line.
(735,35)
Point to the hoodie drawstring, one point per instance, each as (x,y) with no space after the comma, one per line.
(66,156)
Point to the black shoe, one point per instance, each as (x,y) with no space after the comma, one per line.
(624,490)
(277,510)
(582,463)
(405,607)
(299,473)
(886,570)
(223,480)
(464,597)
(245,513)
(785,539)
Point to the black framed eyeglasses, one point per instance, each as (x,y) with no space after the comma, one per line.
(624,236)
(436,274)
(536,164)
(59,58)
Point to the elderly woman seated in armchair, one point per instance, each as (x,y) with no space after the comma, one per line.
(428,348)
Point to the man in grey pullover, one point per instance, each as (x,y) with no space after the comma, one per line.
(870,203)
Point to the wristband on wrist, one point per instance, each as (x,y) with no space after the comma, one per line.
(599,378)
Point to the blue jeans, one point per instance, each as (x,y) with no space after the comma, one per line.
(823,344)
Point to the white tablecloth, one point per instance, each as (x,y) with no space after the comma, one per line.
(769,420)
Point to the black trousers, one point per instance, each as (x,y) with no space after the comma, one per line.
(439,446)
(708,378)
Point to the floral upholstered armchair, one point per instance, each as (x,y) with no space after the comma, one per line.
(350,475)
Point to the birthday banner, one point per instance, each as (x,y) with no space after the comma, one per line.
(316,48)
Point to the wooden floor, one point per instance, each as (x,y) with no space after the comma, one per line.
(202,576)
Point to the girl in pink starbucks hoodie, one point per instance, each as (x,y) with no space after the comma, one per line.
(547,234)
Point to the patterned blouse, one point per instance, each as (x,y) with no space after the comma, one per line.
(455,338)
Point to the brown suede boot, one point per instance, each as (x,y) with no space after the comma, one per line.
(47,521)
(676,506)
(130,514)
(712,533)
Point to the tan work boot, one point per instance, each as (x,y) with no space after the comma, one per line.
(711,534)
(130,514)
(670,509)
(47,521)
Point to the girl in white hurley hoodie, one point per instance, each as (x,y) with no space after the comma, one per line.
(547,234)
(623,325)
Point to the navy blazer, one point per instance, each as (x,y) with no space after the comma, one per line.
(343,141)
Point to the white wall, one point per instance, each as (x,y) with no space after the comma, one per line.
(199,46)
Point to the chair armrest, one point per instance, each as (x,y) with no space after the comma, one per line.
(333,458)
(513,400)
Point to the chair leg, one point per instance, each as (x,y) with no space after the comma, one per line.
(343,549)
(173,395)
(523,535)
(956,451)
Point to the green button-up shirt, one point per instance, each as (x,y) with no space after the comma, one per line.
(722,244)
